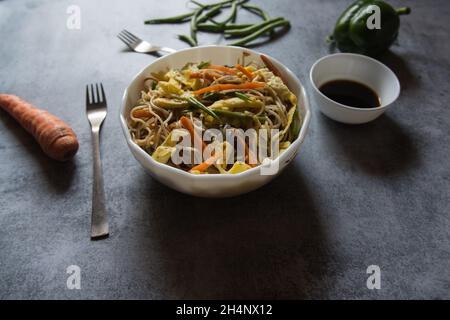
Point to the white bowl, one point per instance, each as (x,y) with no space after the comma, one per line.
(358,68)
(214,185)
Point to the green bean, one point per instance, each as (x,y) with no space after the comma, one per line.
(200,17)
(255,35)
(251,29)
(209,27)
(187,39)
(223,4)
(256,10)
(194,18)
(237,26)
(211,13)
(231,17)
(201,5)
(259,12)
(234,14)
(195,103)
(175,19)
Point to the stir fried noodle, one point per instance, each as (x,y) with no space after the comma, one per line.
(208,119)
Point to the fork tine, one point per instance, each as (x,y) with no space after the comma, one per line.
(131,35)
(123,39)
(103,93)
(99,99)
(87,95)
(92,94)
(129,39)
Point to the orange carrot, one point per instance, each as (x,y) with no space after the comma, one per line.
(220,87)
(221,68)
(54,136)
(247,73)
(208,75)
(187,124)
(141,113)
(202,167)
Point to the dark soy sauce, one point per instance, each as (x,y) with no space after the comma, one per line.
(350,93)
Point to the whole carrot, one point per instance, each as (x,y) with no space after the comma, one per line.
(54,136)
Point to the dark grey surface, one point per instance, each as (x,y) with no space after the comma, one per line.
(354,196)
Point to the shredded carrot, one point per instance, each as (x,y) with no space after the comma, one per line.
(247,73)
(220,87)
(202,167)
(221,68)
(141,113)
(208,75)
(187,124)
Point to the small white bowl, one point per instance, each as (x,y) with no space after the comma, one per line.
(358,68)
(214,185)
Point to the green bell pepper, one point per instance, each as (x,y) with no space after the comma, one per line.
(351,33)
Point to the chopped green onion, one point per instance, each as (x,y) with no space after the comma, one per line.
(203,64)
(242,96)
(195,103)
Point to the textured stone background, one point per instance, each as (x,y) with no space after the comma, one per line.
(354,196)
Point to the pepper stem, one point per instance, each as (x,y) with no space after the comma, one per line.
(404,10)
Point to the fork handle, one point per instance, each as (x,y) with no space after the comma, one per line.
(99,219)
(169,50)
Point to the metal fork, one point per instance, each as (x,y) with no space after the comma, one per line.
(96,113)
(139,45)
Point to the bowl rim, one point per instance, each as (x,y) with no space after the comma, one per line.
(295,144)
(358,56)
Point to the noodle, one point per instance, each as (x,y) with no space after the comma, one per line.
(229,100)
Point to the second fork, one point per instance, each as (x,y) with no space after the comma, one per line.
(138,45)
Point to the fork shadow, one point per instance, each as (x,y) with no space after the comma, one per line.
(59,175)
(269,243)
